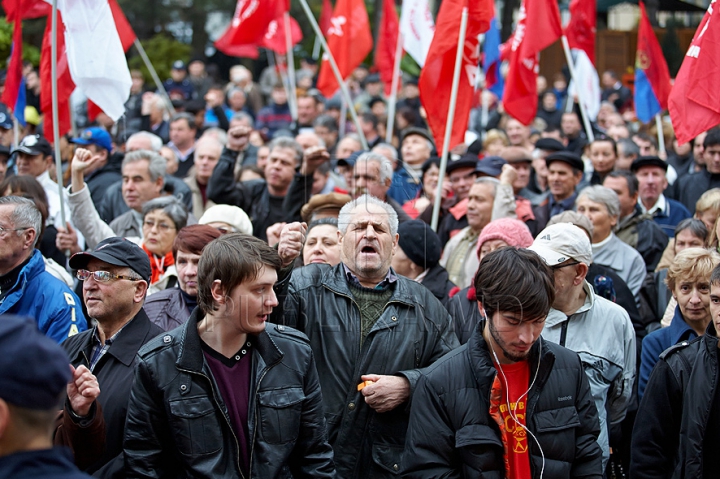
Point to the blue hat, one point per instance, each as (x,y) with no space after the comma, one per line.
(491,166)
(34,369)
(6,118)
(350,160)
(94,136)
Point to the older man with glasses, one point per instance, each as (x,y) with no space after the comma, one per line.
(115,278)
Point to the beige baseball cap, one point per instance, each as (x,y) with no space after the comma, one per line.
(561,242)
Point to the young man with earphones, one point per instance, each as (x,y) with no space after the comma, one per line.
(506,403)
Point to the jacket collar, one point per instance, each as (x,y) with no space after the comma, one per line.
(556,317)
(679,329)
(334,278)
(190,356)
(132,337)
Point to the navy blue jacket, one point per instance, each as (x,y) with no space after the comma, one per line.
(41,296)
(404,186)
(674,213)
(53,463)
(657,342)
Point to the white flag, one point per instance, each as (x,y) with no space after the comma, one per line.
(417,28)
(95,54)
(587,78)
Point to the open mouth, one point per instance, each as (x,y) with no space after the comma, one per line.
(367,249)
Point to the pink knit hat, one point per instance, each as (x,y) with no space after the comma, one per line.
(513,232)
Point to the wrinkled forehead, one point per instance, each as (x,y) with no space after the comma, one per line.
(366,214)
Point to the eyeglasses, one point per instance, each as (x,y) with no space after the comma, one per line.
(160,226)
(4,230)
(560,266)
(102,276)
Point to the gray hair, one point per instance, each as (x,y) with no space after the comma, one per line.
(169,205)
(386,170)
(604,196)
(157,165)
(352,136)
(387,147)
(25,215)
(216,134)
(628,147)
(242,115)
(696,227)
(345,216)
(285,142)
(155,141)
(488,180)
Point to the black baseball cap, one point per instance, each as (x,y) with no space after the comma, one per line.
(491,166)
(117,252)
(34,145)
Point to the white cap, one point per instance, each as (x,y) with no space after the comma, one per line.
(230,215)
(561,242)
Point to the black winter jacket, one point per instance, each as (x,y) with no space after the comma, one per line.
(178,425)
(253,196)
(667,440)
(115,372)
(452,434)
(412,332)
(438,282)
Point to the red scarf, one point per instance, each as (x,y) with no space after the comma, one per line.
(158,265)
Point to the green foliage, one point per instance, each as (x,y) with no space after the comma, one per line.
(30,52)
(670,46)
(162,50)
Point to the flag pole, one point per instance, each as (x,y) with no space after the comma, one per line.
(16,132)
(316,49)
(393,92)
(450,118)
(660,135)
(578,89)
(343,118)
(154,75)
(55,113)
(291,66)
(484,114)
(336,71)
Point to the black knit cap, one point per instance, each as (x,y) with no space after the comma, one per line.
(419,243)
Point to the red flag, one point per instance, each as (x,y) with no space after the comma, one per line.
(580,31)
(693,103)
(65,85)
(437,74)
(249,25)
(325,16)
(13,79)
(387,44)
(26,9)
(125,31)
(349,39)
(538,27)
(274,38)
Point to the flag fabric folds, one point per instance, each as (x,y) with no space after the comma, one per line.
(274,38)
(349,39)
(65,84)
(325,16)
(387,44)
(538,27)
(652,78)
(14,75)
(95,55)
(494,80)
(694,105)
(249,26)
(580,31)
(417,28)
(436,77)
(125,31)
(587,78)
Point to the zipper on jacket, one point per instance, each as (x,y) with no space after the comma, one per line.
(563,331)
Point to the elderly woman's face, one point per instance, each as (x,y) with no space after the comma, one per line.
(489,246)
(159,232)
(321,246)
(693,298)
(598,214)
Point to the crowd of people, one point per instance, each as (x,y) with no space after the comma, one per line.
(235,290)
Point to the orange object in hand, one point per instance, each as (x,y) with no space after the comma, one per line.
(363,384)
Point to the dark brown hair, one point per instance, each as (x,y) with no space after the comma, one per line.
(192,239)
(233,258)
(515,280)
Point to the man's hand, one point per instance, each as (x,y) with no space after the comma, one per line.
(148,99)
(214,99)
(292,239)
(386,393)
(82,160)
(238,137)
(82,390)
(67,240)
(273,233)
(313,158)
(508,175)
